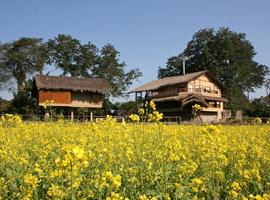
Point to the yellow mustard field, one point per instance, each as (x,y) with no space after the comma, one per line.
(109,160)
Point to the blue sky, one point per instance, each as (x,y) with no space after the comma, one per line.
(146,32)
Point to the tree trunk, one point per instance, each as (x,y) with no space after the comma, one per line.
(20,85)
(20,77)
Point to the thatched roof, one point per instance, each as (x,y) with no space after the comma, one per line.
(98,85)
(174,80)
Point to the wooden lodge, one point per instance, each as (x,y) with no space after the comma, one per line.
(175,95)
(70,92)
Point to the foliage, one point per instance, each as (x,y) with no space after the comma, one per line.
(196,108)
(86,60)
(19,60)
(72,57)
(110,68)
(134,161)
(126,108)
(258,120)
(134,117)
(226,54)
(9,120)
(23,103)
(147,113)
(4,105)
(260,107)
(267,86)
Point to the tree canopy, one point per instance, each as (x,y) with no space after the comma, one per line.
(72,57)
(25,57)
(260,107)
(226,54)
(86,60)
(19,60)
(110,68)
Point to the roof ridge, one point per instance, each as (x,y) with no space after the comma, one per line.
(54,76)
(203,71)
(72,83)
(170,80)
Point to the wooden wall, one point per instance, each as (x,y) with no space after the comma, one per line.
(59,97)
(86,100)
(71,99)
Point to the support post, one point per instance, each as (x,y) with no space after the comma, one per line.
(91,117)
(71,115)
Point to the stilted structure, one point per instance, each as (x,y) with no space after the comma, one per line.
(70,92)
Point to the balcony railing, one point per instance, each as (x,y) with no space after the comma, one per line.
(168,93)
(204,90)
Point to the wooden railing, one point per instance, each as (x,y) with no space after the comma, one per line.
(180,90)
(198,90)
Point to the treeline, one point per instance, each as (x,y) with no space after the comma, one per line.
(21,59)
(228,55)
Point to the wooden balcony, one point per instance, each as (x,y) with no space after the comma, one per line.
(162,94)
(199,90)
(178,91)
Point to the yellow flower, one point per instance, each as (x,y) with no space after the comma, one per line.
(55,192)
(233,194)
(235,186)
(152,105)
(141,111)
(155,116)
(134,117)
(116,181)
(30,180)
(78,152)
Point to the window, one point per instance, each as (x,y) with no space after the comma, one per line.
(190,87)
(215,90)
(214,104)
(197,88)
(207,89)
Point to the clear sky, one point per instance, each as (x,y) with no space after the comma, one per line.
(146,32)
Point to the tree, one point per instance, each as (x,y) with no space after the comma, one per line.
(110,68)
(260,107)
(85,60)
(267,86)
(226,54)
(23,103)
(4,105)
(72,57)
(19,60)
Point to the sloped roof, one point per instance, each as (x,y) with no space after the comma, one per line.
(72,83)
(173,80)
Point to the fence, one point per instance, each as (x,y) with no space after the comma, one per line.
(166,119)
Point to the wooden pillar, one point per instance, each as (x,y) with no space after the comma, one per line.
(91,117)
(71,114)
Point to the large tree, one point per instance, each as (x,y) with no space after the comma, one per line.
(260,107)
(72,57)
(86,60)
(110,68)
(228,55)
(19,60)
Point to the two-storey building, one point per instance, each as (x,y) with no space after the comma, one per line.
(175,95)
